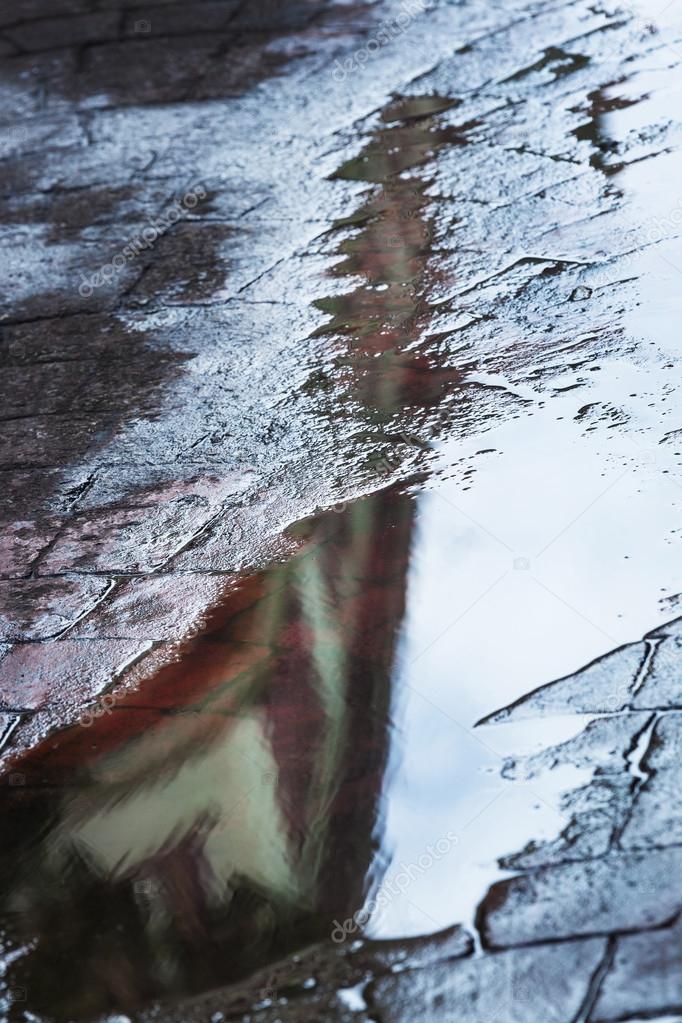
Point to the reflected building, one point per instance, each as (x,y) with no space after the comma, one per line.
(229,810)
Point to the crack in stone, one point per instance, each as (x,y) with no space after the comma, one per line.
(636,759)
(595,984)
(6,733)
(113,585)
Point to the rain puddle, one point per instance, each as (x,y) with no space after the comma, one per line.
(250,797)
(308,767)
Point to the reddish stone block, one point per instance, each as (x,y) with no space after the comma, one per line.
(156,607)
(67,672)
(21,543)
(35,609)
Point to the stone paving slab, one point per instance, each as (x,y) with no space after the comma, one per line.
(40,609)
(31,673)
(549,983)
(656,817)
(645,977)
(619,892)
(148,608)
(605,685)
(141,537)
(21,544)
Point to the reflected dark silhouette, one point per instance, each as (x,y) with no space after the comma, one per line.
(229,810)
(601,103)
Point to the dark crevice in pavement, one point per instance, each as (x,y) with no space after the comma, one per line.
(585,1012)
(586,935)
(637,758)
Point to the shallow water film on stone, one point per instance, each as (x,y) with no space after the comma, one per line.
(340,484)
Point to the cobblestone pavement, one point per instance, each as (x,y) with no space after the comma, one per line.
(168,412)
(186,194)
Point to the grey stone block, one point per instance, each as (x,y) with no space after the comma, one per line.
(619,892)
(547,984)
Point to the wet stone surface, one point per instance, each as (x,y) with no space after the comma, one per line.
(182,369)
(273,277)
